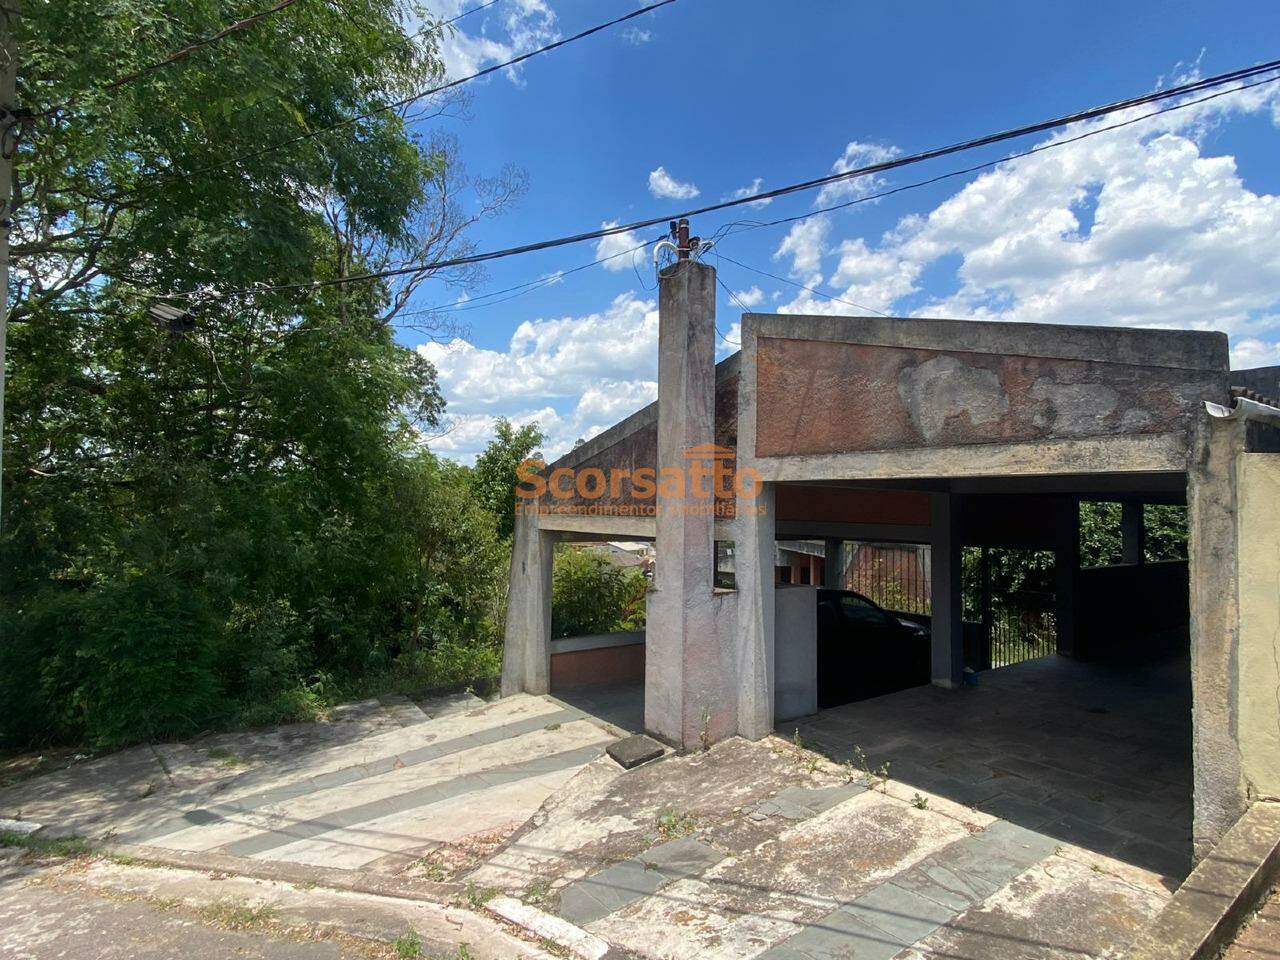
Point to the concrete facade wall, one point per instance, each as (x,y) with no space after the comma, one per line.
(1258,475)
(795,652)
(927,398)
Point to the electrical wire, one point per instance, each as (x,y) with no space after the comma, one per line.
(404,101)
(793,188)
(772,276)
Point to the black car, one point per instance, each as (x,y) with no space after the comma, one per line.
(865,651)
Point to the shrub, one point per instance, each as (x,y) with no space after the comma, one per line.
(591,595)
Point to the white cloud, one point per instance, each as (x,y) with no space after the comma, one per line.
(856,154)
(805,243)
(666,187)
(635,36)
(751,190)
(1140,226)
(752,297)
(1252,352)
(605,364)
(616,246)
(474,43)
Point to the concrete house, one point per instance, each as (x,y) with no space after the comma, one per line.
(951,434)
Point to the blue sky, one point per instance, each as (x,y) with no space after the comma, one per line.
(1170,222)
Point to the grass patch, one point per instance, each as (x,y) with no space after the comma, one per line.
(476,896)
(238,915)
(673,824)
(66,847)
(225,757)
(536,893)
(408,945)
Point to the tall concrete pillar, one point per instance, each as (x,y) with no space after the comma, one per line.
(754,662)
(1066,566)
(526,654)
(683,666)
(832,572)
(944,589)
(1133,532)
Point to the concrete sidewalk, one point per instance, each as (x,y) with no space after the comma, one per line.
(379,788)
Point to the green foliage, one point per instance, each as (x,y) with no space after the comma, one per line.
(1166,531)
(1100,539)
(229,517)
(590,595)
(494,476)
(408,945)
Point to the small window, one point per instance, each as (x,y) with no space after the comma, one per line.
(725,575)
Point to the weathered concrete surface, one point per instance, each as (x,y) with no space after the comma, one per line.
(1258,476)
(1225,887)
(451,785)
(795,646)
(948,398)
(690,683)
(78,908)
(1257,941)
(1057,910)
(526,649)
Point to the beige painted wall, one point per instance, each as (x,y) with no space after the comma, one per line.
(1258,479)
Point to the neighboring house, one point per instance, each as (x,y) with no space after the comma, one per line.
(946,433)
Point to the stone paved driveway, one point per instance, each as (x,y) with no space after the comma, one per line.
(767,850)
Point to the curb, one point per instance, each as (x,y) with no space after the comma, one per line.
(1224,889)
(533,922)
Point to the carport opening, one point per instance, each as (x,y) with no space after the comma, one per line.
(1074,717)
(598,599)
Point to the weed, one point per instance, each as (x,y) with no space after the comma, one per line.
(552,726)
(225,757)
(797,741)
(704,736)
(477,896)
(870,776)
(237,915)
(920,801)
(462,953)
(431,867)
(537,891)
(672,824)
(408,945)
(65,847)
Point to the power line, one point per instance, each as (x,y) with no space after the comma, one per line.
(181,54)
(465,13)
(807,185)
(411,98)
(746,225)
(772,276)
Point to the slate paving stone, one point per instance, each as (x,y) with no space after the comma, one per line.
(1082,833)
(903,916)
(801,803)
(611,889)
(681,859)
(1025,812)
(1094,811)
(634,750)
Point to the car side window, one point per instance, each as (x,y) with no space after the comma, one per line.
(859,611)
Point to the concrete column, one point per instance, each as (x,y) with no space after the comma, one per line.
(756,612)
(1133,532)
(1219,792)
(832,572)
(526,654)
(1066,560)
(944,590)
(683,668)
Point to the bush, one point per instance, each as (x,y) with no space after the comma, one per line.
(591,595)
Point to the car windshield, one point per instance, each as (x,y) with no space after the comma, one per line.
(861,610)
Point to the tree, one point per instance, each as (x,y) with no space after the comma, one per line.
(590,595)
(494,475)
(224,506)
